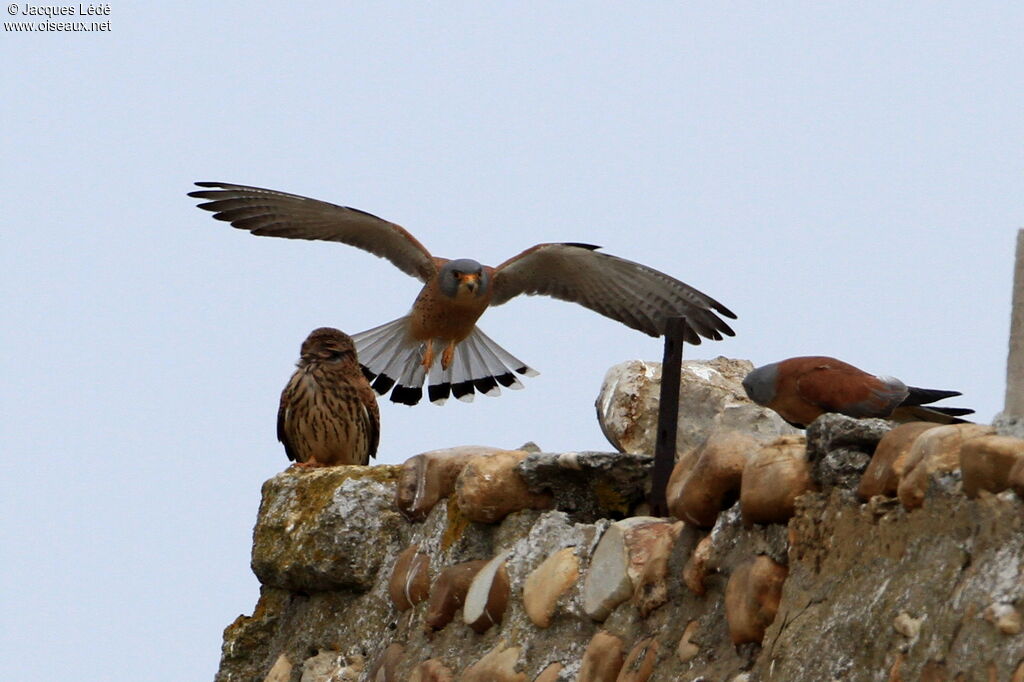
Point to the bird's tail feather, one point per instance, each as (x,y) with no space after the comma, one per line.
(951,411)
(391,358)
(384,352)
(938,415)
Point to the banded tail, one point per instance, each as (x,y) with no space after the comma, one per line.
(390,358)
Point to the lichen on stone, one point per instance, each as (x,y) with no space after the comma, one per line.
(455,526)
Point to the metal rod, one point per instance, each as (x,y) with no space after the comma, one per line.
(668,415)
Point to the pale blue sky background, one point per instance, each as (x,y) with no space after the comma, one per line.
(848,180)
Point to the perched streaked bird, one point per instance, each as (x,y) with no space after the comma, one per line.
(328,413)
(802,389)
(438,341)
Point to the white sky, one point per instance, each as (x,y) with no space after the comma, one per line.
(849,182)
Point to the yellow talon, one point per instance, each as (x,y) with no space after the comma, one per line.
(428,355)
(448,355)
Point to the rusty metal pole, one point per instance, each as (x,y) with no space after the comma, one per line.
(668,415)
(1013,405)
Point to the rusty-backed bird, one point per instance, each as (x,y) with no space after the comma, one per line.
(802,389)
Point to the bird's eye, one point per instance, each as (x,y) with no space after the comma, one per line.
(456,274)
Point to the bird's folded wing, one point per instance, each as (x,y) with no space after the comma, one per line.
(633,294)
(371,414)
(850,391)
(282,417)
(270,213)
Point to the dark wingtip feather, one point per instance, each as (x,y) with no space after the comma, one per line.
(693,337)
(215,207)
(724,311)
(923,396)
(370,376)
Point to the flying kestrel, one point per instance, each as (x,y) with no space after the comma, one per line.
(439,340)
(328,413)
(802,389)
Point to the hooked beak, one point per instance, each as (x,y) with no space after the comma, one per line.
(471,281)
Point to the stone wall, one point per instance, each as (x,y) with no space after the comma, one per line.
(874,554)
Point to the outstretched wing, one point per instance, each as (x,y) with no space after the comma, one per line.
(633,294)
(270,213)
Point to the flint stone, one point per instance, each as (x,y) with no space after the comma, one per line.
(498,665)
(326,529)
(448,593)
(630,560)
(696,569)
(710,395)
(686,462)
(639,665)
(687,649)
(552,533)
(839,448)
(729,544)
(410,578)
(607,583)
(707,480)
(603,658)
(752,598)
(547,583)
(650,587)
(986,463)
(934,452)
(888,464)
(488,595)
(589,485)
(429,477)
(773,478)
(490,488)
